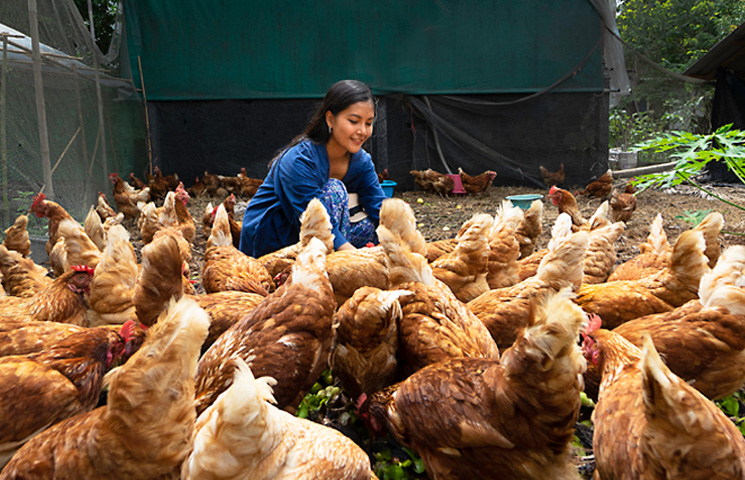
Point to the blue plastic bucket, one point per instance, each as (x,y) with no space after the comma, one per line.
(387,186)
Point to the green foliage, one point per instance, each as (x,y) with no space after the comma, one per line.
(104,19)
(389,467)
(731,406)
(694,217)
(674,34)
(321,393)
(692,153)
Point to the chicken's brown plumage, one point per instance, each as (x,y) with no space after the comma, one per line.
(227,268)
(566,203)
(669,430)
(654,255)
(61,301)
(623,204)
(42,388)
(530,228)
(464,270)
(21,277)
(242,436)
(113,285)
(703,341)
(159,279)
(145,429)
(601,187)
(433,181)
(476,184)
(435,325)
(552,178)
(505,311)
(491,418)
(287,336)
(619,301)
(126,197)
(16,236)
(363,350)
(54,212)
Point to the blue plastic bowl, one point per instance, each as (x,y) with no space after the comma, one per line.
(524,201)
(387,186)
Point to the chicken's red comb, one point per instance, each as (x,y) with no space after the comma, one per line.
(38,198)
(214,212)
(83,268)
(594,322)
(552,190)
(128,328)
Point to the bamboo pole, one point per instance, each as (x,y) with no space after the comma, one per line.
(101,123)
(41,111)
(3,132)
(147,119)
(3,127)
(69,144)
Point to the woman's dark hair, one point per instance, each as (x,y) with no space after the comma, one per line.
(338,97)
(341,95)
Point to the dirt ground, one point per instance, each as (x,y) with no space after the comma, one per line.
(440,218)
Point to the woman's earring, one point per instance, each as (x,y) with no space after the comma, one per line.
(331,130)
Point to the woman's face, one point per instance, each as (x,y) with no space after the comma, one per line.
(352,126)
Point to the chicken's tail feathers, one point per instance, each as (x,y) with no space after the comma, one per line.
(657,239)
(711,226)
(723,285)
(398,217)
(168,356)
(507,217)
(689,262)
(661,390)
(600,218)
(220,235)
(561,230)
(310,266)
(563,265)
(315,222)
(403,264)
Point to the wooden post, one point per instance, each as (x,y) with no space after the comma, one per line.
(101,124)
(41,111)
(147,119)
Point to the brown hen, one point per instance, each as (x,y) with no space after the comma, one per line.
(667,429)
(601,187)
(145,429)
(487,418)
(620,301)
(432,181)
(476,184)
(40,389)
(287,336)
(227,268)
(16,236)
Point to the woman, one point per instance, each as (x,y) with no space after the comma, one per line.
(327,162)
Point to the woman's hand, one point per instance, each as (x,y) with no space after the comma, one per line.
(346,246)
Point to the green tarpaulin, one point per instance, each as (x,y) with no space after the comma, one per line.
(206,49)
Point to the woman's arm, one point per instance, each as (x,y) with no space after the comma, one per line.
(368,188)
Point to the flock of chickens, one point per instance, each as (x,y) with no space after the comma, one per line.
(472,351)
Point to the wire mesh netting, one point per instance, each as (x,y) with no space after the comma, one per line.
(93,121)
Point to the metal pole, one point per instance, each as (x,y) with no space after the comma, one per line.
(101,124)
(41,111)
